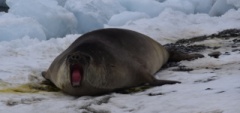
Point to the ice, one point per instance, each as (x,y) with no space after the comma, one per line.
(56,21)
(220,7)
(154,8)
(236,3)
(202,6)
(179,5)
(124,17)
(93,14)
(150,7)
(13,27)
(58,18)
(61,2)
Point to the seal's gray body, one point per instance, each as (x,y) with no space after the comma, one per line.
(118,59)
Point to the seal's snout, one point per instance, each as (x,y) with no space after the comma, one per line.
(78,58)
(74,58)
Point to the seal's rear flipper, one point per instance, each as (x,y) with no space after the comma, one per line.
(177,56)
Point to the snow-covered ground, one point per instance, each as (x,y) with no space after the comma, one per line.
(212,87)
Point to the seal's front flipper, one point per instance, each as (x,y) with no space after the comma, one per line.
(46,81)
(44,74)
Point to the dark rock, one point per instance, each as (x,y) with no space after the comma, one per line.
(3,6)
(206,80)
(155,94)
(234,46)
(185,48)
(226,53)
(215,48)
(225,34)
(171,64)
(192,40)
(183,68)
(236,40)
(235,50)
(221,92)
(208,89)
(215,54)
(229,33)
(4,9)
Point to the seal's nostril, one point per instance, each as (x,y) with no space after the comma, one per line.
(73,57)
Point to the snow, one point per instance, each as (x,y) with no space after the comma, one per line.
(30,56)
(212,87)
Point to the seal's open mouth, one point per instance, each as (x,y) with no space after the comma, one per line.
(76,75)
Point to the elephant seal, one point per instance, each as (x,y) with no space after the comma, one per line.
(107,60)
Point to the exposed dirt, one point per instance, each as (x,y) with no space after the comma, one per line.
(188,46)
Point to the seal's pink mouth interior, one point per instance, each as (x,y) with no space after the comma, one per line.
(76,75)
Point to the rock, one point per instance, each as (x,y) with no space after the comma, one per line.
(215,54)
